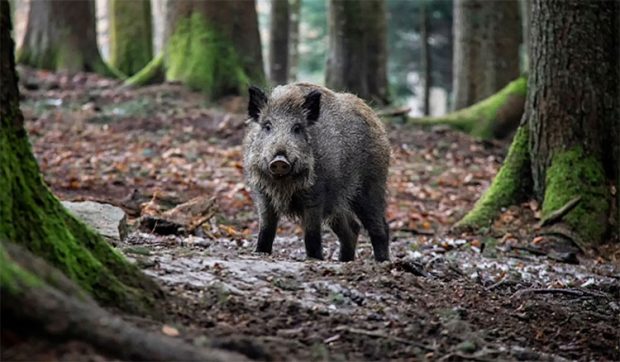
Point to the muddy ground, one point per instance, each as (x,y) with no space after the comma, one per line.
(442,297)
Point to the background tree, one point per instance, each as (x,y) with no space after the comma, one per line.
(279,42)
(131,35)
(357,59)
(294,22)
(487,35)
(213,46)
(425,58)
(61,35)
(566,150)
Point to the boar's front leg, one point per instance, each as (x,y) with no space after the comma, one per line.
(312,232)
(268,220)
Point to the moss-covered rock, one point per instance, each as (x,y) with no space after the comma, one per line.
(493,117)
(509,185)
(573,173)
(203,59)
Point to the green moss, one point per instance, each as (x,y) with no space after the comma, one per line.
(479,119)
(574,173)
(12,276)
(31,216)
(131,43)
(203,59)
(151,73)
(508,186)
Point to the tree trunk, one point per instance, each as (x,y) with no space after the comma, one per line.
(487,35)
(279,42)
(61,35)
(357,57)
(213,46)
(131,35)
(32,217)
(573,105)
(425,58)
(293,59)
(571,118)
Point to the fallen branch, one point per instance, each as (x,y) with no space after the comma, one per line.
(577,292)
(558,214)
(398,112)
(382,335)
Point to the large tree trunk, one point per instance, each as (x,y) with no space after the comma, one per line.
(571,122)
(210,45)
(425,58)
(487,35)
(357,59)
(61,35)
(131,35)
(279,42)
(32,217)
(293,50)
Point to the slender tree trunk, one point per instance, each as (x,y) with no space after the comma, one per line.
(61,35)
(131,35)
(33,218)
(279,42)
(487,35)
(570,122)
(425,58)
(211,45)
(358,51)
(293,60)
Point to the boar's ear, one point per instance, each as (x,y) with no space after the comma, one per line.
(312,106)
(257,100)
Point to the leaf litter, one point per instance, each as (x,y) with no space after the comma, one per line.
(442,297)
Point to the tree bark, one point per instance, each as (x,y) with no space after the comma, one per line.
(213,46)
(487,35)
(32,217)
(571,118)
(61,35)
(295,19)
(279,42)
(425,59)
(357,58)
(573,104)
(131,35)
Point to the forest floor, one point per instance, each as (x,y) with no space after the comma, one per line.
(441,297)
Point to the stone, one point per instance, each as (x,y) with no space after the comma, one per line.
(109,221)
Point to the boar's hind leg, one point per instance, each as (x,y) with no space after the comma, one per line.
(312,233)
(347,230)
(268,224)
(370,208)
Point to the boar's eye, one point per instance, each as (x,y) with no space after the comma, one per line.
(267,126)
(297,129)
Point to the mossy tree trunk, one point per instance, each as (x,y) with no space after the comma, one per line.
(571,120)
(293,49)
(33,218)
(494,117)
(61,35)
(213,46)
(357,59)
(131,35)
(487,35)
(279,42)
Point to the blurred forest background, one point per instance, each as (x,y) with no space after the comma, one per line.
(405,67)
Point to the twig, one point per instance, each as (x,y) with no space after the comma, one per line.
(558,214)
(495,285)
(382,335)
(395,112)
(577,292)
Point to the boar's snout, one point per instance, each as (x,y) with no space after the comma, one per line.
(280,166)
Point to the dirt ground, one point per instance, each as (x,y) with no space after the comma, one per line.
(442,297)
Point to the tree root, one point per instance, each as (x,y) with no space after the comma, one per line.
(494,117)
(152,73)
(509,185)
(61,310)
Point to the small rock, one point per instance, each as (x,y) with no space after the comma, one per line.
(109,221)
(467,347)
